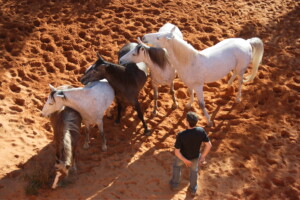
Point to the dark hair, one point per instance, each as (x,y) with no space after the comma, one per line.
(192,118)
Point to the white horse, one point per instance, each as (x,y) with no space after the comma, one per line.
(90,101)
(162,73)
(198,67)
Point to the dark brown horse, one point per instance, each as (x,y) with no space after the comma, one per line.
(127,81)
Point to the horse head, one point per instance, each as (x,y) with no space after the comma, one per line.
(160,38)
(95,72)
(52,105)
(136,54)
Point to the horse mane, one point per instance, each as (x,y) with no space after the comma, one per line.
(158,56)
(58,92)
(183,51)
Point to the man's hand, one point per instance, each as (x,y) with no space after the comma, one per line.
(181,157)
(187,163)
(202,161)
(207,148)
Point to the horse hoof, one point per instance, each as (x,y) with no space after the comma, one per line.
(188,106)
(210,124)
(86,146)
(117,124)
(153,114)
(109,116)
(104,148)
(147,132)
(174,106)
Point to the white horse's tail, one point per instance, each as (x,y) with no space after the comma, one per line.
(257,54)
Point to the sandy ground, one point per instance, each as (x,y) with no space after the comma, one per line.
(255,152)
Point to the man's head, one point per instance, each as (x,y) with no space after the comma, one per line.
(192,118)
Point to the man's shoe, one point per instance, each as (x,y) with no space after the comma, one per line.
(192,193)
(173,188)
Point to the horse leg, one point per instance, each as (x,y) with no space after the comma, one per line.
(232,78)
(118,119)
(108,113)
(191,93)
(155,90)
(199,92)
(241,80)
(74,167)
(175,104)
(100,126)
(141,117)
(87,137)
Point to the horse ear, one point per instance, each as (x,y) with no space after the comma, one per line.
(170,37)
(99,57)
(52,88)
(173,29)
(142,49)
(141,42)
(61,95)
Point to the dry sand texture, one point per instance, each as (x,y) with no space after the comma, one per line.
(255,152)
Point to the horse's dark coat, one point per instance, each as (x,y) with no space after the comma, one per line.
(127,81)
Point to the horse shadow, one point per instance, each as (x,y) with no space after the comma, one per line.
(35,172)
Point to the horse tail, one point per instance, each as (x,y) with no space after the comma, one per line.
(71,132)
(67,148)
(257,54)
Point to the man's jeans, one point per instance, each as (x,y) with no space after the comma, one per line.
(174,182)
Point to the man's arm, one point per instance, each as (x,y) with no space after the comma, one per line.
(206,150)
(181,157)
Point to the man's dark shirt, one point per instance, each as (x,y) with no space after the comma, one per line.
(189,142)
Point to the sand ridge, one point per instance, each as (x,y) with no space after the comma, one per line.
(255,151)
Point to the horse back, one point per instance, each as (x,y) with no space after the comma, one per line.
(65,118)
(139,76)
(233,46)
(62,121)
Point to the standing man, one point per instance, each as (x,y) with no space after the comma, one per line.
(187,152)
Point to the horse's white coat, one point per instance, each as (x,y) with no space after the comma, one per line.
(198,67)
(90,101)
(159,76)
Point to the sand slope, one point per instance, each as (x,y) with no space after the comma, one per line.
(256,148)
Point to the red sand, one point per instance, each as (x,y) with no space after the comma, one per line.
(255,152)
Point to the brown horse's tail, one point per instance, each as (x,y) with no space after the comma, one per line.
(257,54)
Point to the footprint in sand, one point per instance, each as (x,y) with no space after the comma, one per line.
(16,108)
(71,57)
(28,120)
(70,67)
(14,88)
(49,67)
(19,101)
(48,47)
(60,65)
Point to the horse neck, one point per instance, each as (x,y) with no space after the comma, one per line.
(181,52)
(161,63)
(147,60)
(113,74)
